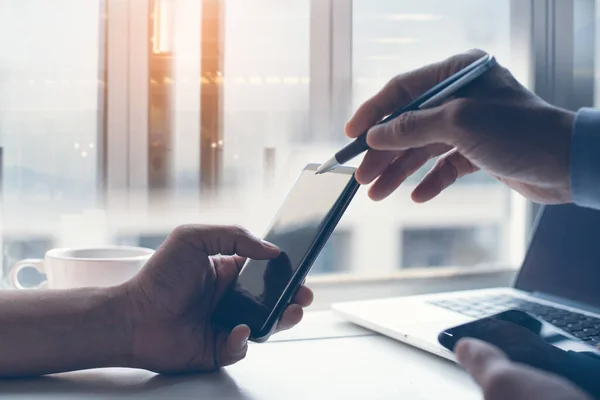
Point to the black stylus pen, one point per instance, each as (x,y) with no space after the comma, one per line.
(434,96)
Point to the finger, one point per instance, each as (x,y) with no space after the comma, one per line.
(227,269)
(415,129)
(480,359)
(232,347)
(447,170)
(239,262)
(304,297)
(373,165)
(392,96)
(226,240)
(290,318)
(403,167)
(404,88)
(502,379)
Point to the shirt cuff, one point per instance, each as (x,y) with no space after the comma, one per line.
(585,158)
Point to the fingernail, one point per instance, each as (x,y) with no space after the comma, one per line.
(269,244)
(243,343)
(347,128)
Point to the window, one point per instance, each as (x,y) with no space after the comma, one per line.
(134,116)
(334,256)
(20,248)
(393,37)
(148,240)
(51,96)
(266,88)
(449,246)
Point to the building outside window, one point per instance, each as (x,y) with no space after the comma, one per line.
(449,247)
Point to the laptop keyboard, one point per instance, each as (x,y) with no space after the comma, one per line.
(581,326)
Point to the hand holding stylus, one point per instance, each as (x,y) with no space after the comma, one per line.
(436,95)
(495,124)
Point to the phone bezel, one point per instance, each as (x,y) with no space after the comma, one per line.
(321,238)
(445,342)
(443,337)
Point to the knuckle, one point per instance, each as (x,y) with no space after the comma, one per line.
(458,61)
(475,53)
(463,59)
(372,109)
(238,231)
(183,231)
(405,123)
(455,165)
(397,85)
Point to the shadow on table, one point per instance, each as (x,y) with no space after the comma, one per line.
(99,382)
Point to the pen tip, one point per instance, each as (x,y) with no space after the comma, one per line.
(327,166)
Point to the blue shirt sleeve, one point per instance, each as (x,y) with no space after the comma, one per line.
(581,368)
(585,159)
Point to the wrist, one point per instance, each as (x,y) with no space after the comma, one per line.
(117,304)
(565,121)
(134,337)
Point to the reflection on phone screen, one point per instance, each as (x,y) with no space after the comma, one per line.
(295,229)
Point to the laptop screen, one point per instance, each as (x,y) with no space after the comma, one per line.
(563,258)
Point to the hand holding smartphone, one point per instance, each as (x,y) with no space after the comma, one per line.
(301,227)
(514,329)
(532,341)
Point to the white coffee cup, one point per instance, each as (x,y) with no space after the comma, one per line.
(85,267)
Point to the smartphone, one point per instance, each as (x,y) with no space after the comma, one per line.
(300,228)
(522,336)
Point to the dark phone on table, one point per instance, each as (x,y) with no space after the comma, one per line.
(523,337)
(300,229)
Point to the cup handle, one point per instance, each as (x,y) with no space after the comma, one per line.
(13,276)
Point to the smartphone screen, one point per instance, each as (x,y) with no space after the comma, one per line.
(523,337)
(300,228)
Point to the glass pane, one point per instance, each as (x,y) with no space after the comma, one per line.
(264,81)
(468,224)
(392,37)
(51,116)
(449,247)
(395,36)
(266,86)
(51,86)
(185,20)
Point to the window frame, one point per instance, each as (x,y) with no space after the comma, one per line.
(557,51)
(125,169)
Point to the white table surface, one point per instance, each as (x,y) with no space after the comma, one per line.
(323,358)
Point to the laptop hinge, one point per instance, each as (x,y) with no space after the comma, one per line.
(566,302)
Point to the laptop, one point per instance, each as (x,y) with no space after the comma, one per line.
(559,281)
